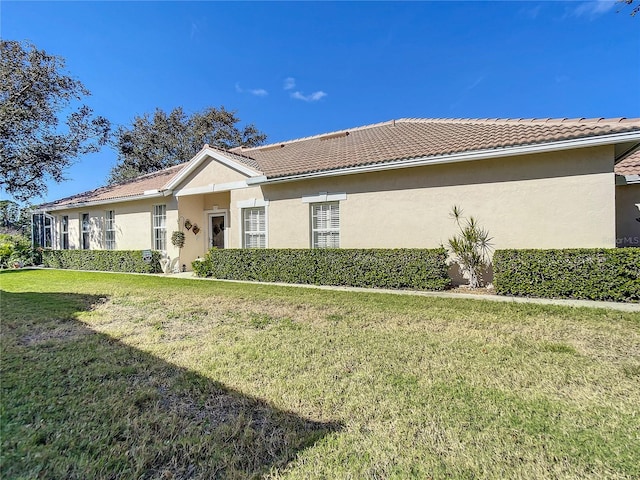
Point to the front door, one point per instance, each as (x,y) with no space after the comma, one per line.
(216,231)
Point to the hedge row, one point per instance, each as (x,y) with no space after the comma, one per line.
(593,274)
(382,268)
(102,260)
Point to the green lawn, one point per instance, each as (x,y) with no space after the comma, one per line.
(129,376)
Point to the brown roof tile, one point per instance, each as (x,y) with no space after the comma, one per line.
(133,188)
(416,138)
(386,142)
(630,165)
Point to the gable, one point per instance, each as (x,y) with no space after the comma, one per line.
(211,173)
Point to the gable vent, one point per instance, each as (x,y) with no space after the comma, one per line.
(272,147)
(334,135)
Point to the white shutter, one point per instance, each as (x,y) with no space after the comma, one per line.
(325,225)
(255,227)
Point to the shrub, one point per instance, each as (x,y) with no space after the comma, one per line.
(15,250)
(593,274)
(470,247)
(383,268)
(102,260)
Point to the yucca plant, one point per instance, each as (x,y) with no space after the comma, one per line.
(471,248)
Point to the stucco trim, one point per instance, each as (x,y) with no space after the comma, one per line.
(324,197)
(457,157)
(252,202)
(630,179)
(210,188)
(627,179)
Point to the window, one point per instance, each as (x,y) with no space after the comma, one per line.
(325,225)
(254,229)
(64,233)
(43,230)
(160,227)
(86,231)
(48,231)
(110,230)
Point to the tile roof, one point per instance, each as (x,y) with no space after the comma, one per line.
(133,188)
(237,156)
(630,165)
(386,142)
(416,138)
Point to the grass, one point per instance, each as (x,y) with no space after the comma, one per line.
(125,376)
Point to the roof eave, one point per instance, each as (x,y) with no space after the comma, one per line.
(69,206)
(458,157)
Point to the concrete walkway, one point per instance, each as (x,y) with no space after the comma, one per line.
(624,307)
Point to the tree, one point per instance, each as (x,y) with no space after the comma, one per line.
(14,218)
(471,247)
(635,8)
(36,96)
(154,142)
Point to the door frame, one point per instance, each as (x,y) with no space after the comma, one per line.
(216,213)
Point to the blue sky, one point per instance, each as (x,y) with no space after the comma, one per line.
(299,69)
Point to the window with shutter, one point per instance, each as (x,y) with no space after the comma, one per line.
(325,225)
(254,226)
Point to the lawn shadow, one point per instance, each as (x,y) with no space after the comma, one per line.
(80,404)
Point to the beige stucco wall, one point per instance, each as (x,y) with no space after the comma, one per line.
(133,221)
(196,209)
(555,200)
(558,200)
(627,213)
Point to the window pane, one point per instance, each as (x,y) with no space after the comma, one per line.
(110,230)
(85,231)
(325,225)
(255,227)
(64,241)
(159,227)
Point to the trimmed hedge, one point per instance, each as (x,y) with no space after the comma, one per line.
(592,274)
(102,260)
(383,268)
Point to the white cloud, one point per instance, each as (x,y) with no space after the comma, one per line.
(314,97)
(258,92)
(289,83)
(194,30)
(531,12)
(594,8)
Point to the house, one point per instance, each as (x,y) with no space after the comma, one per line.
(551,183)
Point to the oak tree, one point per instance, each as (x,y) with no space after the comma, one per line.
(43,128)
(154,142)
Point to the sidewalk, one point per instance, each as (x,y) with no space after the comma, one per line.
(624,307)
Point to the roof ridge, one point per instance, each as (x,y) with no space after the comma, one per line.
(565,120)
(547,120)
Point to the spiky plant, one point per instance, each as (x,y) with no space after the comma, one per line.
(471,248)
